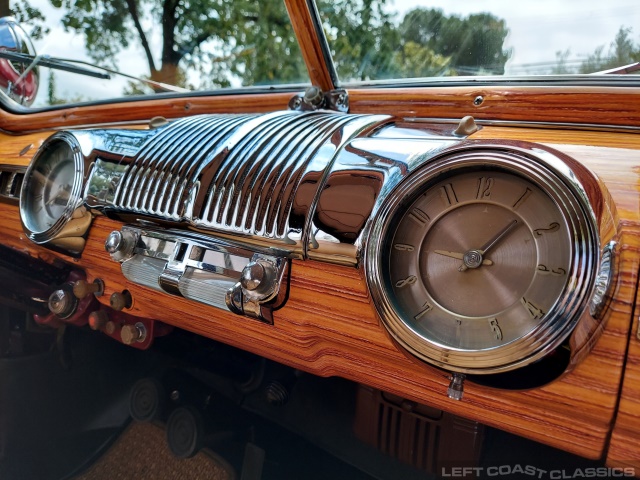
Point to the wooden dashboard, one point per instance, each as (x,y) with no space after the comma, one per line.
(329,325)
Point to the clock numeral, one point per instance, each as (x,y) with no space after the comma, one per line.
(426,308)
(495,328)
(410,280)
(403,247)
(419,217)
(522,198)
(535,312)
(544,270)
(553,227)
(484,187)
(448,195)
(38,197)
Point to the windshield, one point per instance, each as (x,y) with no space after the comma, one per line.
(218,44)
(379,40)
(203,45)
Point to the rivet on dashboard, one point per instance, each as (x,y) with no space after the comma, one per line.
(479,100)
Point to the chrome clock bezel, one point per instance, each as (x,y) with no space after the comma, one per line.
(75,195)
(556,326)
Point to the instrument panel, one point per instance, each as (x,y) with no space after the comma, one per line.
(329,320)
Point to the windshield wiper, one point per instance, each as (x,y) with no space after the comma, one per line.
(632,67)
(67,65)
(46,61)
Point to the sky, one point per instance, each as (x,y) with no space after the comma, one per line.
(538,29)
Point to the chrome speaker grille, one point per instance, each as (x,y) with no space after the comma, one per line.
(161,177)
(254,188)
(253,175)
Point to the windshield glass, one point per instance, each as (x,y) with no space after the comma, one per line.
(381,40)
(203,45)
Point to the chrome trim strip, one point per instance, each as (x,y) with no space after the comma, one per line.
(531,124)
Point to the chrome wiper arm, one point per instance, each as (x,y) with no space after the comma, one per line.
(49,62)
(153,83)
(67,64)
(632,67)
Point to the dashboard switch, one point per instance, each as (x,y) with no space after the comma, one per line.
(98,319)
(82,288)
(120,300)
(62,303)
(133,333)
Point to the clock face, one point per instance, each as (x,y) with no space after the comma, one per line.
(478,261)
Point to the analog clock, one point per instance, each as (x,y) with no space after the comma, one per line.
(481,261)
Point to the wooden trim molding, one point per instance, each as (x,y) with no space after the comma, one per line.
(310,44)
(591,105)
(594,105)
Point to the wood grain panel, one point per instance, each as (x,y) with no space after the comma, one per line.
(130,111)
(329,325)
(20,149)
(310,45)
(624,448)
(594,105)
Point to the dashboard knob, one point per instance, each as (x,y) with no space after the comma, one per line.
(82,288)
(131,334)
(120,300)
(259,279)
(114,242)
(253,275)
(62,303)
(98,319)
(120,244)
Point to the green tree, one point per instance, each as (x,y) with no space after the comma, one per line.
(562,67)
(362,36)
(473,44)
(221,40)
(622,51)
(30,17)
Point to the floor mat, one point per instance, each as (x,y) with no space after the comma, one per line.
(141,452)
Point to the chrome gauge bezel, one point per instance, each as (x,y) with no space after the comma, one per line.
(75,195)
(555,180)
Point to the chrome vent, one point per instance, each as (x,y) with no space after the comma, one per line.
(163,174)
(254,187)
(11,178)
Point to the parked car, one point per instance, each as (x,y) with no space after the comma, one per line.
(322,240)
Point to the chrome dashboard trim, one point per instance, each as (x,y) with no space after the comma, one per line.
(530,124)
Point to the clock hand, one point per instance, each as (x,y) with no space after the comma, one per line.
(458,256)
(473,258)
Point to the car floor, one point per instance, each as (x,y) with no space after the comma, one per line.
(60,413)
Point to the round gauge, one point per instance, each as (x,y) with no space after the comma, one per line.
(484,262)
(51,189)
